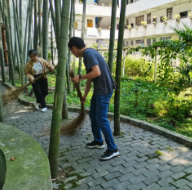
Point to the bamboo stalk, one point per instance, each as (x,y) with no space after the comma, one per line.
(45,28)
(29,46)
(82,36)
(59,91)
(35,26)
(1,112)
(17,38)
(118,70)
(21,45)
(69,54)
(1,50)
(73,26)
(112,34)
(9,43)
(11,37)
(57,19)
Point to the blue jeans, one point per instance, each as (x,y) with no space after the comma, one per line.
(99,122)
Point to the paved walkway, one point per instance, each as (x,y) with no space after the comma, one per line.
(147,160)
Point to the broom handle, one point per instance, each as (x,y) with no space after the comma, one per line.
(39,77)
(71,73)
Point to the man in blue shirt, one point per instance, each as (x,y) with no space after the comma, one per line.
(97,72)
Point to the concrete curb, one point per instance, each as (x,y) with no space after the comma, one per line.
(142,124)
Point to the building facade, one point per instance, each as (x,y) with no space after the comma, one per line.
(160,17)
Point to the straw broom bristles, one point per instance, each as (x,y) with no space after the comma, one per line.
(71,127)
(14,93)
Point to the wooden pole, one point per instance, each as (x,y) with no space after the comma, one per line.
(155,72)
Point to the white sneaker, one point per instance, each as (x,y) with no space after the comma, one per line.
(44,109)
(36,105)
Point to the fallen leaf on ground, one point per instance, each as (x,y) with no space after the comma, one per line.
(12,158)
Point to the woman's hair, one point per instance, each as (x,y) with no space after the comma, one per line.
(76,42)
(34,52)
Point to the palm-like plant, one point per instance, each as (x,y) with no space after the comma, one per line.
(185,34)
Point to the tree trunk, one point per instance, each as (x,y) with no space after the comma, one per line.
(1,50)
(59,91)
(82,36)
(112,34)
(118,70)
(11,70)
(45,28)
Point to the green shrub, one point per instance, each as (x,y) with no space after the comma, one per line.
(135,66)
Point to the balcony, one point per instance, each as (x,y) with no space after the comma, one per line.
(95,10)
(160,29)
(94,33)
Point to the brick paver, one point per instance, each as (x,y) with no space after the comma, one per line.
(138,167)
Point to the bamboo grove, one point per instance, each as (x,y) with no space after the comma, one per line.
(33,33)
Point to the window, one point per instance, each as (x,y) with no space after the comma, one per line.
(169,13)
(137,42)
(127,44)
(89,23)
(131,42)
(148,42)
(184,14)
(149,18)
(139,19)
(154,18)
(165,38)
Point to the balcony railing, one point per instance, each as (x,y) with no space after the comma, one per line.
(156,29)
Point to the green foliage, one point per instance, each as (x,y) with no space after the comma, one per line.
(140,67)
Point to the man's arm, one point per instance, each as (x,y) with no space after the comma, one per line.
(94,73)
(88,87)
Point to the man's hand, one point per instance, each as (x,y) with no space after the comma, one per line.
(31,79)
(84,100)
(52,68)
(75,79)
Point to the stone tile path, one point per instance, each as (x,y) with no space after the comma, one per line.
(147,160)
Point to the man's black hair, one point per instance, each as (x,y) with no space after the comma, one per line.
(34,52)
(76,42)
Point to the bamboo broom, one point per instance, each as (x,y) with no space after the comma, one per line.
(71,127)
(14,93)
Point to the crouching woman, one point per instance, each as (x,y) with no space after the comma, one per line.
(33,69)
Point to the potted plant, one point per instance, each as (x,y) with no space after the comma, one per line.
(95,3)
(155,23)
(144,23)
(129,27)
(109,4)
(109,27)
(165,18)
(177,17)
(80,1)
(102,4)
(190,15)
(99,29)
